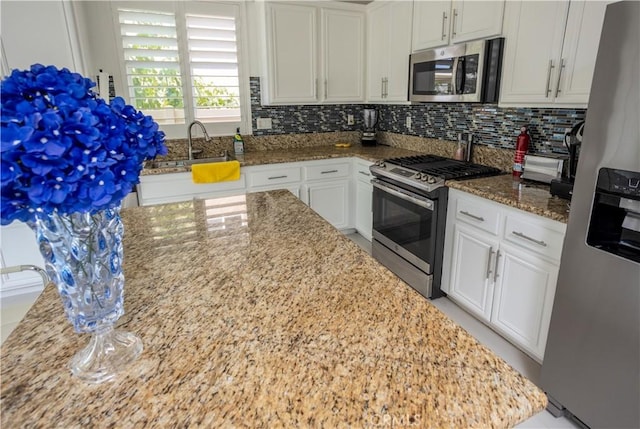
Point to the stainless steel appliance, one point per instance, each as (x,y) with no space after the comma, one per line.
(369,130)
(409,213)
(592,360)
(543,168)
(466,72)
(563,186)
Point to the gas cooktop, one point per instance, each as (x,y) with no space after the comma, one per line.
(429,172)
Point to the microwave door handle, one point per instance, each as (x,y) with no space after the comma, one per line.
(454,74)
(460,75)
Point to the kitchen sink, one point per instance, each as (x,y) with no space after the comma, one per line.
(226,156)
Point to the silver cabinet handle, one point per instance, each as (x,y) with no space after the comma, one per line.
(328,171)
(491,252)
(526,237)
(551,66)
(559,75)
(315,89)
(365,173)
(277,177)
(326,91)
(495,269)
(381,87)
(453,23)
(444,18)
(384,87)
(472,216)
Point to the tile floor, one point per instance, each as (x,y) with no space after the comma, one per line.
(514,357)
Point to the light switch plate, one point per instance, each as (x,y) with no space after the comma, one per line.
(264,123)
(350,120)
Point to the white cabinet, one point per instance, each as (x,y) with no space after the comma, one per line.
(22,46)
(314,54)
(275,176)
(471,270)
(174,187)
(327,186)
(364,199)
(554,66)
(501,265)
(388,50)
(440,23)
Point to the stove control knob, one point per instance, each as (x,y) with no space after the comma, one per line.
(424,177)
(431,179)
(417,176)
(380,164)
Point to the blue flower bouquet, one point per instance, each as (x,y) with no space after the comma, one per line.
(68,160)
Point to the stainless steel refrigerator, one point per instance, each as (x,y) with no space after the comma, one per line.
(591,366)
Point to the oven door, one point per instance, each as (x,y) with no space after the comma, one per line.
(405,223)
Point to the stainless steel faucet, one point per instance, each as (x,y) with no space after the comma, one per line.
(204,131)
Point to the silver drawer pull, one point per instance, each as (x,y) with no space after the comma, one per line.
(328,171)
(533,240)
(472,216)
(489,262)
(277,177)
(365,173)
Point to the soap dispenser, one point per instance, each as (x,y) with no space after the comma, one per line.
(238,143)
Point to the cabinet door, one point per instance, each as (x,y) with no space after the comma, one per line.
(378,43)
(533,40)
(22,46)
(524,292)
(343,53)
(331,201)
(400,15)
(364,202)
(581,41)
(431,22)
(472,273)
(473,20)
(291,30)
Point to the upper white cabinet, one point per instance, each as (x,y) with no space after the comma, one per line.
(22,46)
(550,52)
(314,54)
(440,23)
(388,50)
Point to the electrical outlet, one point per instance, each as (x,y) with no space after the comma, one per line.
(350,120)
(264,123)
(408,122)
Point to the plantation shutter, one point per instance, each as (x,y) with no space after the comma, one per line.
(152,63)
(213,61)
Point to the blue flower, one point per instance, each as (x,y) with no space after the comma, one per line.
(64,149)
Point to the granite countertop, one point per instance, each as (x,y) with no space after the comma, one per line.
(522,194)
(255,312)
(262,157)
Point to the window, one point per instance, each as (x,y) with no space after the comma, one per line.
(181,62)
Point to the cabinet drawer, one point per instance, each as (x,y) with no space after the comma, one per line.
(534,235)
(482,215)
(328,171)
(274,176)
(362,172)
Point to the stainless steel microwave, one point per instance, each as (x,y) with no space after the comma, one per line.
(467,72)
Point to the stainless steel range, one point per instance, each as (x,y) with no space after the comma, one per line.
(409,213)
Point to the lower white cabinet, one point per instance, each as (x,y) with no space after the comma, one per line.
(363,215)
(472,270)
(174,187)
(501,265)
(331,201)
(327,190)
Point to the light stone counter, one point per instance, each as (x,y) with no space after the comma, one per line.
(255,312)
(522,194)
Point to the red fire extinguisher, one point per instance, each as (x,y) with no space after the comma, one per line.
(521,149)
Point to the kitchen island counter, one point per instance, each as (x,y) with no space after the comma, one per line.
(254,312)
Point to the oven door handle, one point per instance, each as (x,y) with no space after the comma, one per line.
(422,202)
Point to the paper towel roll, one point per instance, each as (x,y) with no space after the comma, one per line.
(103,86)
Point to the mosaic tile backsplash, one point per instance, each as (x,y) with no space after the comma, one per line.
(492,125)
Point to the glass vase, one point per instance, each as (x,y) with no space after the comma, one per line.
(83,257)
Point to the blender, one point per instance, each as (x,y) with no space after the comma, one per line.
(369,130)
